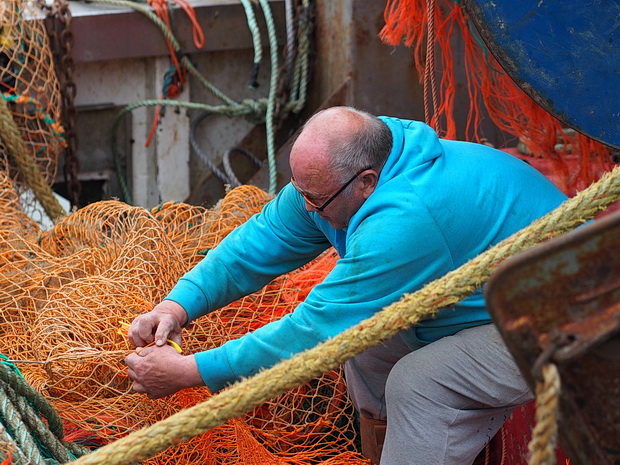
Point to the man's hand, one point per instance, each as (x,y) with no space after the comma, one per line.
(161,323)
(161,371)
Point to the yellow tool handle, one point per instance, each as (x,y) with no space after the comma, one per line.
(169,341)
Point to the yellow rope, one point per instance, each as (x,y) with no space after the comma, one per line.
(27,164)
(544,435)
(451,288)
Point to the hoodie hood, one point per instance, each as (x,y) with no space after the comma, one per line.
(414,144)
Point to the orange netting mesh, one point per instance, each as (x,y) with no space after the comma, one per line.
(65,294)
(30,87)
(572,160)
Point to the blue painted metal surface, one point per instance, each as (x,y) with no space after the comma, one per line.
(565,54)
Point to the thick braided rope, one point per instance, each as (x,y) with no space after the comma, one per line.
(254,30)
(545,433)
(21,409)
(271,101)
(27,164)
(299,86)
(38,430)
(430,83)
(19,430)
(10,452)
(451,288)
(25,390)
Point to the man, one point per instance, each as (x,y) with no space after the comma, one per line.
(402,208)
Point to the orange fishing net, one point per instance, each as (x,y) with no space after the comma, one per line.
(573,161)
(30,88)
(67,293)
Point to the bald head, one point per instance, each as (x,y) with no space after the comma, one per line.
(323,132)
(339,153)
(342,140)
(337,125)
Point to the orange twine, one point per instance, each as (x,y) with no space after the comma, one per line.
(178,81)
(572,160)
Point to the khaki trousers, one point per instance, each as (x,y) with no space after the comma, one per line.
(443,402)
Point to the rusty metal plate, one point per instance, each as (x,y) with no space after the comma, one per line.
(562,298)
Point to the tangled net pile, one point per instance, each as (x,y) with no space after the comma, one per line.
(30,90)
(66,293)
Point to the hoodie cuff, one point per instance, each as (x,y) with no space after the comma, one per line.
(214,369)
(191,298)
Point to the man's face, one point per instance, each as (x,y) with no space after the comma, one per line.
(319,186)
(333,198)
(337,207)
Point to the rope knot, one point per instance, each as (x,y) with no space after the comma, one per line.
(254,110)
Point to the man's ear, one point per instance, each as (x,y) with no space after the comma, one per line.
(369,179)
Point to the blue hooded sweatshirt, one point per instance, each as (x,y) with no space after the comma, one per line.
(437,205)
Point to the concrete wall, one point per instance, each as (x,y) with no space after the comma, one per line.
(120,59)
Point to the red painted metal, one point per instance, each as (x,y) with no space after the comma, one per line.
(516,434)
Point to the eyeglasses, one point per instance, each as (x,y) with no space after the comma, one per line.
(333,197)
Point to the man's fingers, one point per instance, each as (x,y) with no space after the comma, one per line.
(145,331)
(129,360)
(155,371)
(160,336)
(143,351)
(163,332)
(141,331)
(137,387)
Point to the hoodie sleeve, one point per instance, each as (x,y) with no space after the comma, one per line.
(279,239)
(355,289)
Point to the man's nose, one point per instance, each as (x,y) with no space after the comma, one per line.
(309,207)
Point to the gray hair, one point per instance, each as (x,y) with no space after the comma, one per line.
(367,143)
